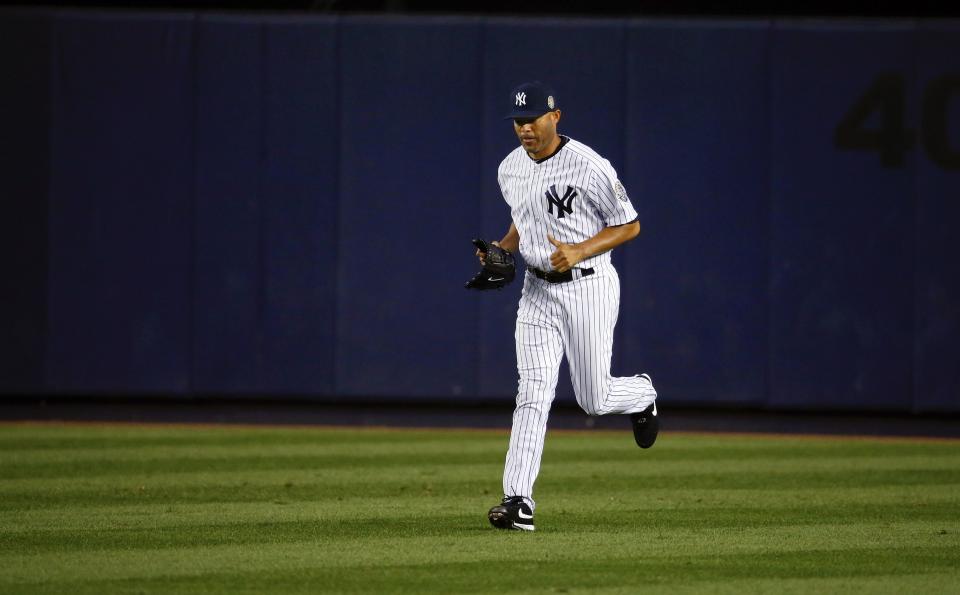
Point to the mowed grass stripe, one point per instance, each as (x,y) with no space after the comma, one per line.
(173,528)
(132,461)
(295,489)
(400,466)
(42,436)
(454,450)
(655,500)
(18,435)
(473,541)
(476,577)
(329,452)
(23,437)
(400,521)
(313,581)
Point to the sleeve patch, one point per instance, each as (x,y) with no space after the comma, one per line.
(620,191)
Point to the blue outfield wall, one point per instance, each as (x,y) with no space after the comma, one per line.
(264,205)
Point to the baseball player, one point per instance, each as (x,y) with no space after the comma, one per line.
(568,210)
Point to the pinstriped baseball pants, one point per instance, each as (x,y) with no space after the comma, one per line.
(577,319)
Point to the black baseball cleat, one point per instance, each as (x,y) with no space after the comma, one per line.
(646,424)
(513,514)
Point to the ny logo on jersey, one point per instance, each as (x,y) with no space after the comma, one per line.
(564,205)
(521,99)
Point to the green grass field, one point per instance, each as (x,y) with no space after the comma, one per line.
(170,509)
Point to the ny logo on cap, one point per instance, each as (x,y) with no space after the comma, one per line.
(521,98)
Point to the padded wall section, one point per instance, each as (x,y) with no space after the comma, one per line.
(266,205)
(299,206)
(937,377)
(843,219)
(121,192)
(228,292)
(698,158)
(409,200)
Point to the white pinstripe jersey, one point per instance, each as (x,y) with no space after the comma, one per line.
(571,195)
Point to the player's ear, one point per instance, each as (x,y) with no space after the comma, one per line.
(557,119)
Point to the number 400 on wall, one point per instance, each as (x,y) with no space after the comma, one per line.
(891,139)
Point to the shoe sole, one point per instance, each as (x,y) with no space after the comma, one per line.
(648,436)
(502,521)
(656,433)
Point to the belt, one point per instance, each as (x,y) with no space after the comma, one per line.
(555,277)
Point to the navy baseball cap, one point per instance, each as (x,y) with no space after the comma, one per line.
(531,100)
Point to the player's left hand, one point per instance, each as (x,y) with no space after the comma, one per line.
(566,256)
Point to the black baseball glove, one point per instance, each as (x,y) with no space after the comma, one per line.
(498,269)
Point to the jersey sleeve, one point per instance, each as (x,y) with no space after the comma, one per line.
(611,197)
(501,180)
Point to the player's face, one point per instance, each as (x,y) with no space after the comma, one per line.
(537,135)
